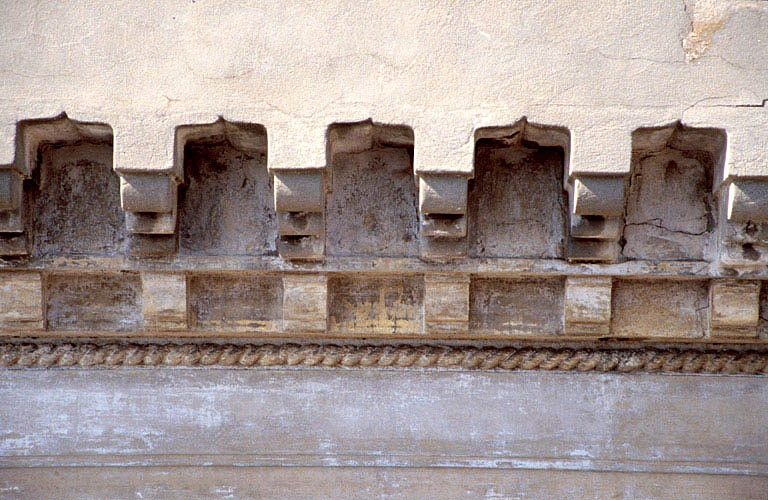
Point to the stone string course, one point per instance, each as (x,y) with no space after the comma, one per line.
(114,355)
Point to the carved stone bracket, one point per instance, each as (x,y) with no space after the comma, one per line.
(597,207)
(743,227)
(443,213)
(300,207)
(150,202)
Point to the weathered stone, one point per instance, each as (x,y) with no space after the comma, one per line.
(376,305)
(226,205)
(21,301)
(305,303)
(516,306)
(659,308)
(372,205)
(517,204)
(734,308)
(446,303)
(164,301)
(75,206)
(671,211)
(587,305)
(93,302)
(236,303)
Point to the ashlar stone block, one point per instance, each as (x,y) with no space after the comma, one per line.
(446,303)
(587,305)
(734,308)
(21,301)
(305,303)
(164,301)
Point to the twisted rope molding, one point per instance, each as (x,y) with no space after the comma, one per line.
(110,355)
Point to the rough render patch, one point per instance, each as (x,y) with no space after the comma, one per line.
(236,303)
(516,201)
(670,208)
(660,308)
(707,18)
(382,305)
(75,201)
(226,205)
(372,207)
(96,302)
(517,306)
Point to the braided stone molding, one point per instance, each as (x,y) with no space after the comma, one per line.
(110,355)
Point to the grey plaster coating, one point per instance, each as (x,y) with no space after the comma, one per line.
(474,421)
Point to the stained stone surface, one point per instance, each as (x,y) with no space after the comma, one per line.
(97,302)
(532,306)
(386,305)
(226,207)
(659,308)
(75,201)
(517,205)
(372,206)
(235,303)
(670,209)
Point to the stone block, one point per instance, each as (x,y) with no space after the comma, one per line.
(299,191)
(21,301)
(734,308)
(301,247)
(587,305)
(748,200)
(385,305)
(599,195)
(93,301)
(443,225)
(516,307)
(164,301)
(596,227)
(305,303)
(442,194)
(235,303)
(669,309)
(446,303)
(592,250)
(443,249)
(150,222)
(13,245)
(300,223)
(147,193)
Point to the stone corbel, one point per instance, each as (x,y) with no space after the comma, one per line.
(443,213)
(12,241)
(300,207)
(598,166)
(596,217)
(741,187)
(149,201)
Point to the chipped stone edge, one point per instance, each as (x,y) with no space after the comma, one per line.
(46,355)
